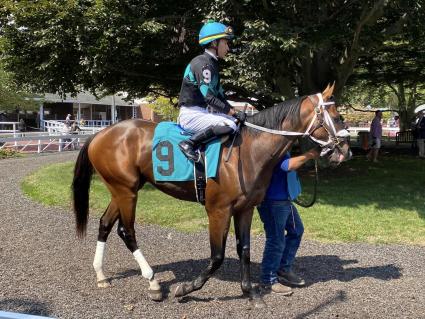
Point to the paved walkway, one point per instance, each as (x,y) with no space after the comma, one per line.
(46,270)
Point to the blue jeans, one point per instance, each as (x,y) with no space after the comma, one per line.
(280,249)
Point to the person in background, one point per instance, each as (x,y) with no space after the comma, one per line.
(22,126)
(68,120)
(376,136)
(420,130)
(75,129)
(279,215)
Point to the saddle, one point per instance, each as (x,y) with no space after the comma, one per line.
(171,165)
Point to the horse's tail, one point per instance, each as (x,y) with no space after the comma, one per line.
(83,172)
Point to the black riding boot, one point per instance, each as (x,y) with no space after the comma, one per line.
(190,146)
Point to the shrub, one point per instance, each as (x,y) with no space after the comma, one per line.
(8,152)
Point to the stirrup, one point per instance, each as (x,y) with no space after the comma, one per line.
(195,159)
(188,152)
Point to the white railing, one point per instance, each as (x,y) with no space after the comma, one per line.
(13,127)
(41,144)
(386,131)
(58,127)
(92,123)
(53,126)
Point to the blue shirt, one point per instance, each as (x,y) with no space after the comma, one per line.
(285,184)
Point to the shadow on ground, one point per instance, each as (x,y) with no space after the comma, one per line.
(314,269)
(25,306)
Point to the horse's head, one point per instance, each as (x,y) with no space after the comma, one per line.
(325,127)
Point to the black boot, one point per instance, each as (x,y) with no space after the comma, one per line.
(190,146)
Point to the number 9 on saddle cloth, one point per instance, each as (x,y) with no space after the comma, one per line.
(170,164)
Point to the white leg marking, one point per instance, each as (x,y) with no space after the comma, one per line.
(98,260)
(147,271)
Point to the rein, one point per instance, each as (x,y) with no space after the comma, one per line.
(316,181)
(321,114)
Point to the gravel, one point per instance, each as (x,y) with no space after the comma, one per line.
(45,270)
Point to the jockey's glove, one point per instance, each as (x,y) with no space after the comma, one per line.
(240,116)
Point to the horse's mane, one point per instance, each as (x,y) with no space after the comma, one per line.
(273,117)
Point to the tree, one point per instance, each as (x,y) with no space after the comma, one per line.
(399,69)
(288,47)
(165,108)
(12,98)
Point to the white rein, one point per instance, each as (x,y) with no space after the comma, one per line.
(319,109)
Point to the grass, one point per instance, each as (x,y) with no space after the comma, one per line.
(357,202)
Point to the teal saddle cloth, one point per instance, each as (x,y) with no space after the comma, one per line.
(170,164)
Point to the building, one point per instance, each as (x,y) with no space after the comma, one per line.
(85,106)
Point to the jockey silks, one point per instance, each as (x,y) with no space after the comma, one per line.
(201,84)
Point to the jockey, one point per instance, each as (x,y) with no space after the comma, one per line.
(204,109)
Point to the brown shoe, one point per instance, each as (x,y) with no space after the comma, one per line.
(290,279)
(280,289)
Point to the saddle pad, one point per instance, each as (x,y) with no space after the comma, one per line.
(169,163)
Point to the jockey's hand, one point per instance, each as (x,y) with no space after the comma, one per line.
(240,116)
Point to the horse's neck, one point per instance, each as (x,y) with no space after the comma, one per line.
(263,152)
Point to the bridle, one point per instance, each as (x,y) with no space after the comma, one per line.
(321,119)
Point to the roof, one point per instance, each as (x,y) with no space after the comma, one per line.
(87,98)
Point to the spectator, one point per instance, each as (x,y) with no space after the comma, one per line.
(421,135)
(376,136)
(75,129)
(66,129)
(68,120)
(22,126)
(396,121)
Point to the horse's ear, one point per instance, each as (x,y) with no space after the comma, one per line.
(327,93)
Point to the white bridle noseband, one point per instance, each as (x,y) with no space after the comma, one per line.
(333,135)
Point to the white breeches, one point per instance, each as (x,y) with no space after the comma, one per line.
(195,119)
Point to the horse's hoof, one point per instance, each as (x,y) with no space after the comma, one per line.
(179,291)
(258,303)
(155,295)
(105,283)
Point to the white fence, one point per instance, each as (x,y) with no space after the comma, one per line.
(55,127)
(386,131)
(40,144)
(56,137)
(12,127)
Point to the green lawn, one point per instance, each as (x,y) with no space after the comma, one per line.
(359,201)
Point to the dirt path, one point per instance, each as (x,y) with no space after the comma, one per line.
(45,270)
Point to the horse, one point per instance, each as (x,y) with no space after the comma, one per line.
(121,156)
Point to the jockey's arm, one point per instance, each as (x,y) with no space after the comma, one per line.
(214,101)
(294,163)
(207,79)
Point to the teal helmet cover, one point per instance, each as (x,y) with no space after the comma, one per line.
(214,30)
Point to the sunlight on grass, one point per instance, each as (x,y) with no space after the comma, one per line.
(356,202)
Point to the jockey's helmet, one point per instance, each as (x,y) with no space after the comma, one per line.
(214,30)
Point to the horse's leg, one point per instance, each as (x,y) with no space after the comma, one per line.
(218,227)
(242,221)
(127,207)
(105,225)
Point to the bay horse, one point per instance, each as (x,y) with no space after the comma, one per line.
(122,157)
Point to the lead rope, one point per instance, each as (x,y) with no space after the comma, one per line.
(313,199)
